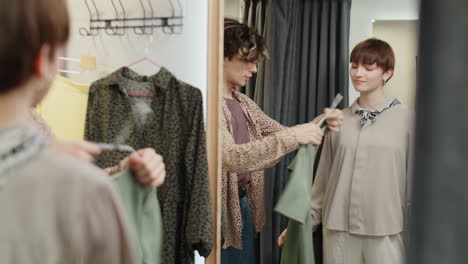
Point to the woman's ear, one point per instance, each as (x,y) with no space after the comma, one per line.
(46,62)
(387,75)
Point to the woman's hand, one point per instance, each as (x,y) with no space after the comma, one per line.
(281,238)
(334,119)
(148,167)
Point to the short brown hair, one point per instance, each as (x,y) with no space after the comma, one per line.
(25,26)
(243,42)
(372,51)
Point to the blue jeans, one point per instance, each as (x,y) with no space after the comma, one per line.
(246,255)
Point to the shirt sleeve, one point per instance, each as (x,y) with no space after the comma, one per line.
(321,179)
(255,155)
(199,222)
(260,154)
(268,126)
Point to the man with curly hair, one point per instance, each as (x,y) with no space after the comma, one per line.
(252,141)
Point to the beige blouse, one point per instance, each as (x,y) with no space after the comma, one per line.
(363,178)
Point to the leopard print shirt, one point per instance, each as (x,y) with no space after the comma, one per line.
(269,142)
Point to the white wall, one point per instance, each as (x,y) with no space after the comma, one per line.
(185,55)
(233,9)
(364,11)
(402,35)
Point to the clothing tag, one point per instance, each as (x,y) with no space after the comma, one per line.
(334,104)
(88,62)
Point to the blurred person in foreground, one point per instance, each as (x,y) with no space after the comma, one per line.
(55,208)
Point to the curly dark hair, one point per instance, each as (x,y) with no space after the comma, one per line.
(243,42)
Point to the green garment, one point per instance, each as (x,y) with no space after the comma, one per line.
(144,216)
(295,204)
(171,123)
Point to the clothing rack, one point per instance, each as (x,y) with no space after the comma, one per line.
(68,71)
(121,23)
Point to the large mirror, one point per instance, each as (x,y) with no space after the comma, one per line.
(295,57)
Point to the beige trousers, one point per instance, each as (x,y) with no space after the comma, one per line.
(345,248)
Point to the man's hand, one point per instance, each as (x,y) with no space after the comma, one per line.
(308,133)
(148,167)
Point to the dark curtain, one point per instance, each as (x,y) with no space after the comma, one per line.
(308,42)
(256,15)
(439,233)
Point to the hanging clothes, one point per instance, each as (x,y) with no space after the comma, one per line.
(173,125)
(294,203)
(144,216)
(64,108)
